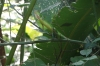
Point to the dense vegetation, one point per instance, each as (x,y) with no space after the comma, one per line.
(65,32)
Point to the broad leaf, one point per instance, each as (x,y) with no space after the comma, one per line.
(78,23)
(85,52)
(48,52)
(74,24)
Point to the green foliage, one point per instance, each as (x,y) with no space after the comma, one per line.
(80,61)
(48,52)
(74,24)
(71,23)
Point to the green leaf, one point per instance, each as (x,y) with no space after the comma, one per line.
(47,52)
(47,8)
(85,52)
(76,58)
(74,24)
(92,62)
(91,58)
(32,33)
(85,61)
(79,63)
(34,62)
(90,45)
(51,51)
(97,39)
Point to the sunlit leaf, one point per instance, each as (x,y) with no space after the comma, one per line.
(32,33)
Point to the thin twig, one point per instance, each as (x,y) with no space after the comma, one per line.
(43,41)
